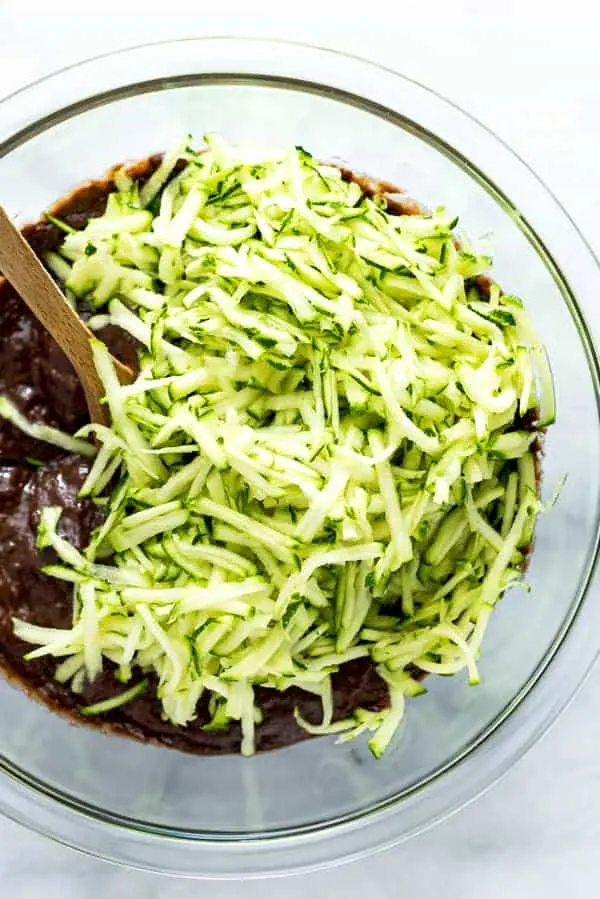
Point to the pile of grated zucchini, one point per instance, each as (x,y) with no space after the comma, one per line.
(321,458)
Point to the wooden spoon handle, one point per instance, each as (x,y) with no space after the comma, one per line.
(25,272)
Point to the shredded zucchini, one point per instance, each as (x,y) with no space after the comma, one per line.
(323,456)
(44,433)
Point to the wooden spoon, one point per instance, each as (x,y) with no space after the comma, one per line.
(23,269)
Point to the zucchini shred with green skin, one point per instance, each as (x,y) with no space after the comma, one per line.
(323,457)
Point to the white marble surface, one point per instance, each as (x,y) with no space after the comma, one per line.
(530,70)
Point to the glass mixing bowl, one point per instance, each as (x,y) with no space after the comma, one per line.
(318,803)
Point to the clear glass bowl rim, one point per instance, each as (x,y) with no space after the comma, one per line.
(36,106)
